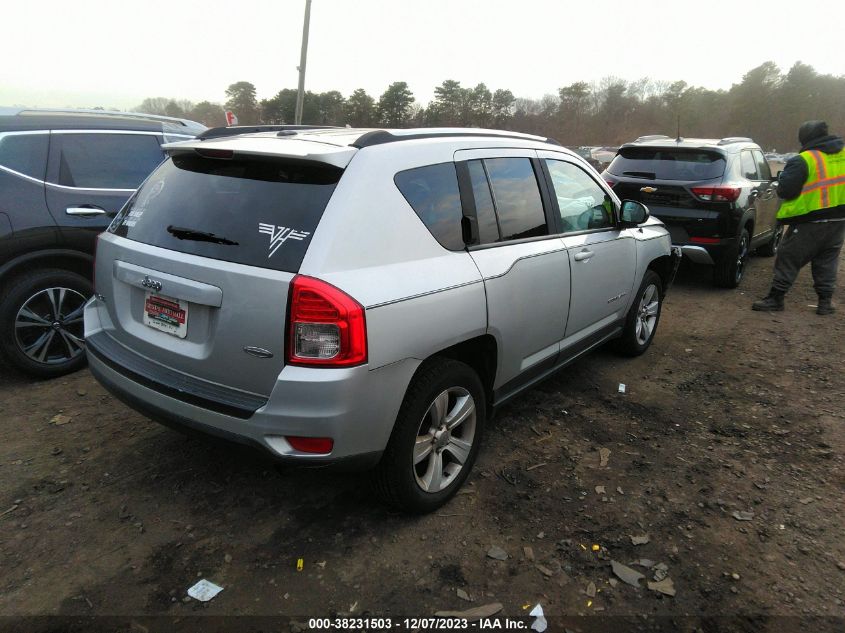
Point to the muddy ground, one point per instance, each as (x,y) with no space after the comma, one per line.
(729,412)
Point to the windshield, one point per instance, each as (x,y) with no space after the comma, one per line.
(254,211)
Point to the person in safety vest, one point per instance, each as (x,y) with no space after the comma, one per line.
(812,186)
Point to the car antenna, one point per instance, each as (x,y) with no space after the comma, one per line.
(678,140)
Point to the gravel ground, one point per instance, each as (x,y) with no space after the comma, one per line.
(720,469)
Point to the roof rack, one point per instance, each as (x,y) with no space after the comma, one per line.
(380,137)
(651,137)
(234,130)
(103,113)
(734,139)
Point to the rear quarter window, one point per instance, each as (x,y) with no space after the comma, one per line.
(432,191)
(260,211)
(25,153)
(656,163)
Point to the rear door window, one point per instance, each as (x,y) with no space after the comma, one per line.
(25,153)
(432,191)
(488,226)
(656,163)
(254,211)
(516,197)
(107,161)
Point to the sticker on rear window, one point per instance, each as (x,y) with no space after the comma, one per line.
(279,235)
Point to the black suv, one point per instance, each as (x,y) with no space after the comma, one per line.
(63,174)
(717,197)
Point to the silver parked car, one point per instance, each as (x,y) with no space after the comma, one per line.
(366,297)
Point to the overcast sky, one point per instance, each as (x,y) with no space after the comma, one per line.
(88,53)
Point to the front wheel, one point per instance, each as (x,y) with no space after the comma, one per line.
(435,440)
(731,268)
(41,324)
(643,317)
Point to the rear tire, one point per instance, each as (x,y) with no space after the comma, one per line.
(435,440)
(730,270)
(643,317)
(41,325)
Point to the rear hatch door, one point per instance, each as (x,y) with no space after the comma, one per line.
(664,176)
(195,268)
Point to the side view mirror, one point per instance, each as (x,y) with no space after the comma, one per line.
(633,213)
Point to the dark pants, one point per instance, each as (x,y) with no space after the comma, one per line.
(816,242)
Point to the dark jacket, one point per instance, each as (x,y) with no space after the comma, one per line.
(795,174)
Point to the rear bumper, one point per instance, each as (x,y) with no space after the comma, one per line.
(708,253)
(356,407)
(697,254)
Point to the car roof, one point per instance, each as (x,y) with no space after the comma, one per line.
(21,119)
(337,145)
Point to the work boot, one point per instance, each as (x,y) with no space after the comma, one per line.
(825,306)
(772,302)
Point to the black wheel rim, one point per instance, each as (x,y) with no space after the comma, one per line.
(49,326)
(742,255)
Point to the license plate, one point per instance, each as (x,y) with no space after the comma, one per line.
(166,314)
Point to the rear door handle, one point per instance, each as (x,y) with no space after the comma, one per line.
(583,255)
(85,211)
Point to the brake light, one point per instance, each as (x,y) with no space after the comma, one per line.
(717,194)
(326,327)
(216,153)
(321,445)
(705,240)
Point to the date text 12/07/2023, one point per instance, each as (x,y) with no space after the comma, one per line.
(411,624)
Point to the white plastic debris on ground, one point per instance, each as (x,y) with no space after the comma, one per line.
(540,623)
(621,387)
(204,590)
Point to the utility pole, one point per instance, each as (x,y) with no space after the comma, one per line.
(300,95)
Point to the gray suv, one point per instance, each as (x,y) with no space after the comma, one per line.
(366,298)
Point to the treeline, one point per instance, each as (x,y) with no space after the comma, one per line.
(767,105)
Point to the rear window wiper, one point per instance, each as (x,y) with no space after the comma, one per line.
(198,236)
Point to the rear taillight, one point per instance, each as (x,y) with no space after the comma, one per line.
(717,194)
(705,240)
(326,327)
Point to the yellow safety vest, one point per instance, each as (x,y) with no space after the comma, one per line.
(824,188)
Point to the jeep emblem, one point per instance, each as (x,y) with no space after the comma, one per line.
(152,284)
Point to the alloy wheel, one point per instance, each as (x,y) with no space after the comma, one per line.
(742,256)
(444,439)
(49,326)
(647,314)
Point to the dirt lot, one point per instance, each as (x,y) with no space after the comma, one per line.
(731,411)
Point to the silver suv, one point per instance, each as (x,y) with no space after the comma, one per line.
(366,298)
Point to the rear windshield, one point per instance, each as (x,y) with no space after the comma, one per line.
(255,211)
(654,163)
